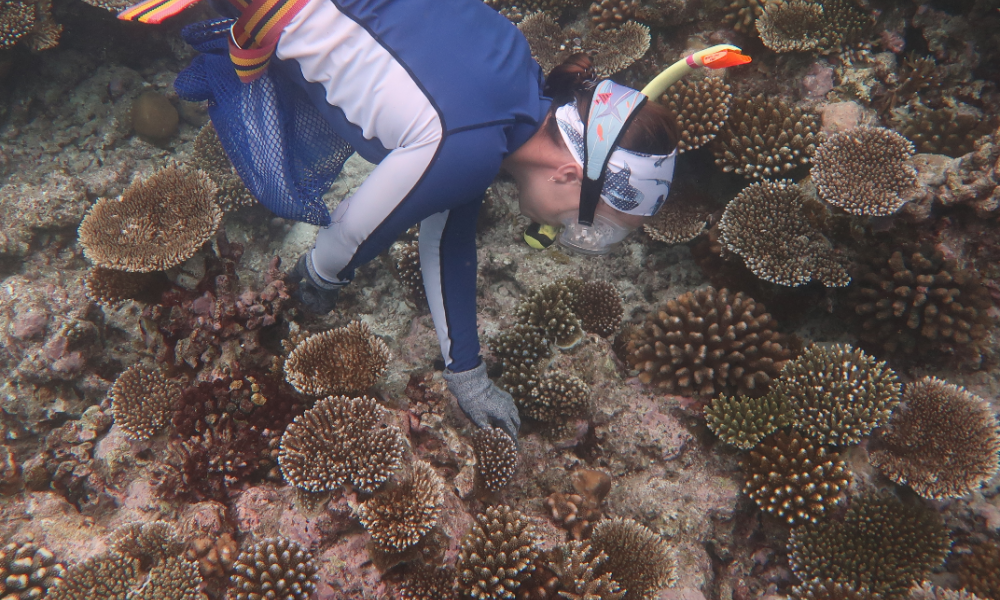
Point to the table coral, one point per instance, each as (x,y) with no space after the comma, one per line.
(347,360)
(400,516)
(638,559)
(143,400)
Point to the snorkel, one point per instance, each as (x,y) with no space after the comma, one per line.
(632,188)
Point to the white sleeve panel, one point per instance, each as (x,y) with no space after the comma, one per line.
(431,230)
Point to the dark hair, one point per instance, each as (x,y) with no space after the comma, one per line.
(652,131)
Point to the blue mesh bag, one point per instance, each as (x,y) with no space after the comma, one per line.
(284,150)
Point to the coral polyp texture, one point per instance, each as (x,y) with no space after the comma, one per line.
(882,545)
(807,25)
(27,571)
(497,555)
(555,398)
(400,516)
(639,559)
(743,14)
(700,108)
(943,441)
(406,259)
(950,130)
(110,288)
(865,170)
(614,50)
(209,156)
(577,566)
(706,342)
(794,479)
(926,591)
(110,576)
(764,137)
(550,308)
(30,22)
(347,360)
(768,226)
(979,570)
(149,543)
(496,457)
(158,222)
(838,394)
(830,589)
(598,305)
(742,422)
(913,300)
(429,583)
(340,440)
(521,345)
(143,401)
(677,222)
(611,14)
(276,568)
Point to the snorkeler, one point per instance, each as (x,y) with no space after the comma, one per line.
(441,95)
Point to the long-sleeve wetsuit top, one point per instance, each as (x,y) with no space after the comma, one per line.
(437,93)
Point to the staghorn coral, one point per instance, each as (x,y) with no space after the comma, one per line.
(142,401)
(399,517)
(677,222)
(611,14)
(406,259)
(979,570)
(27,571)
(555,398)
(496,457)
(347,360)
(865,170)
(598,305)
(429,583)
(944,442)
(914,301)
(742,422)
(951,130)
(157,223)
(497,555)
(882,545)
(806,25)
(276,568)
(829,589)
(614,50)
(764,137)
(767,224)
(110,288)
(577,565)
(743,14)
(838,394)
(792,478)
(550,308)
(638,559)
(926,591)
(209,156)
(108,576)
(340,440)
(706,342)
(700,108)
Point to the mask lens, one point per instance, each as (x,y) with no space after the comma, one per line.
(592,240)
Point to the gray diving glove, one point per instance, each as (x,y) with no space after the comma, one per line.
(482,401)
(316,294)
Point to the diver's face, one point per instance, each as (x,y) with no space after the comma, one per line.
(545,196)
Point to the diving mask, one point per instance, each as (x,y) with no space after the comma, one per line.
(591,240)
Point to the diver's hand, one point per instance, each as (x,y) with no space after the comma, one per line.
(316,294)
(482,401)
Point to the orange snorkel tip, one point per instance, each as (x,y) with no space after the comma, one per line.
(725,58)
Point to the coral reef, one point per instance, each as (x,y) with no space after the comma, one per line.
(143,400)
(913,300)
(27,571)
(742,422)
(110,288)
(700,107)
(550,308)
(209,156)
(611,14)
(110,576)
(598,305)
(865,170)
(974,179)
(743,14)
(943,441)
(706,342)
(347,360)
(611,50)
(829,589)
(400,516)
(794,479)
(406,259)
(951,130)
(497,555)
(979,571)
(768,225)
(838,394)
(554,398)
(496,457)
(882,545)
(149,543)
(638,558)
(677,222)
(578,512)
(158,222)
(28,21)
(926,591)
(577,566)
(522,345)
(429,583)
(274,568)
(764,137)
(804,25)
(339,441)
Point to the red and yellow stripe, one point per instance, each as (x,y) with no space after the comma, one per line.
(154,11)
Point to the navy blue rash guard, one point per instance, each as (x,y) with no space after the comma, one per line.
(437,93)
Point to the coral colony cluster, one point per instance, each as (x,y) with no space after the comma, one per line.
(785,386)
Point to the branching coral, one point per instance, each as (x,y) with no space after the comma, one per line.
(764,137)
(107,576)
(497,554)
(515,10)
(742,14)
(399,517)
(829,589)
(768,226)
(172,579)
(706,342)
(550,308)
(496,457)
(577,566)
(638,559)
(838,394)
(110,288)
(742,421)
(677,222)
(340,440)
(274,568)
(865,170)
(926,591)
(979,571)
(611,14)
(142,401)
(611,50)
(578,512)
(951,130)
(792,478)
(209,156)
(158,222)
(28,21)
(406,258)
(598,305)
(548,42)
(27,571)
(555,398)
(882,545)
(429,583)
(348,360)
(913,300)
(149,543)
(804,25)
(700,108)
(521,345)
(943,442)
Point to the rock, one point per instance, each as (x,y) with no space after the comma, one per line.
(153,116)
